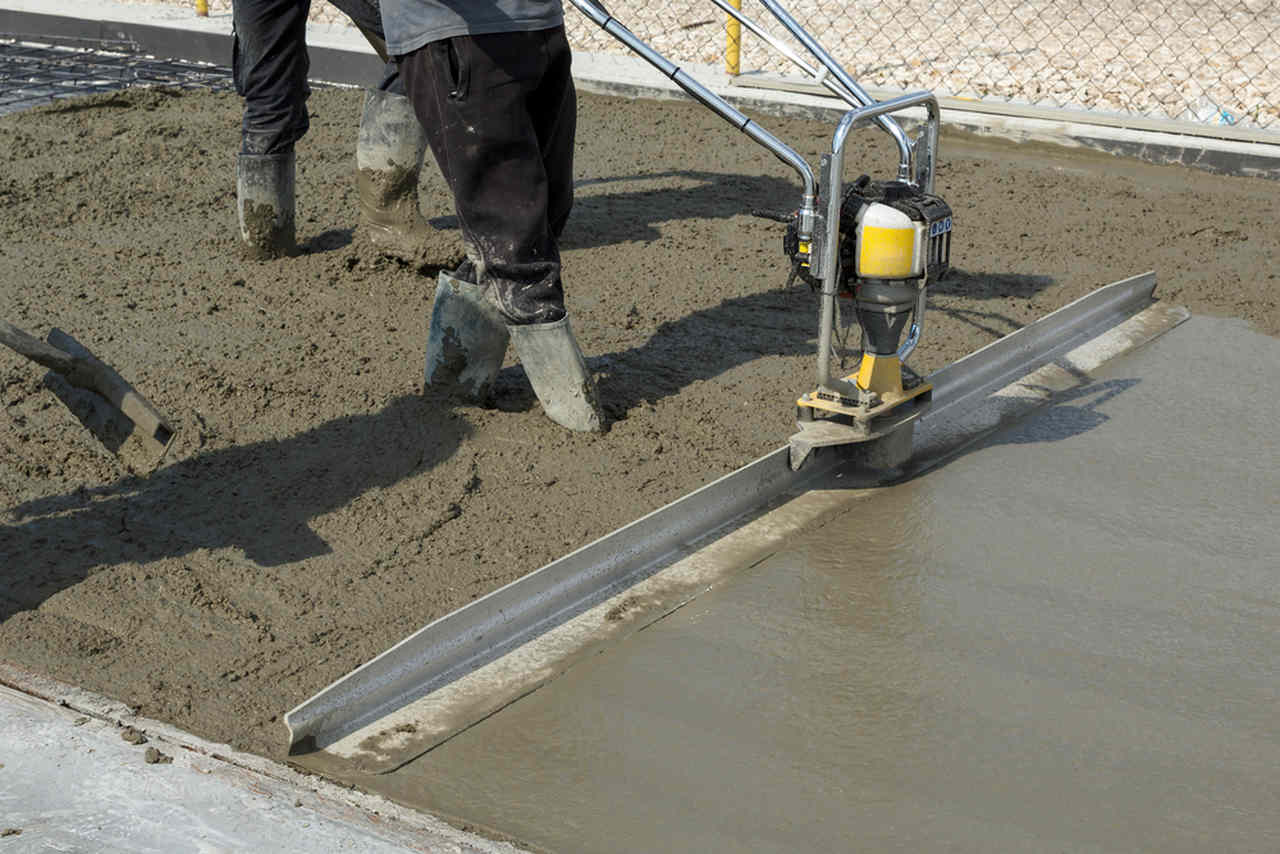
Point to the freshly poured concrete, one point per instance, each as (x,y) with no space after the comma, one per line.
(1065,639)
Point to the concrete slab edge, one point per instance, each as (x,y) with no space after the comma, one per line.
(1178,127)
(410,828)
(632,78)
(340,55)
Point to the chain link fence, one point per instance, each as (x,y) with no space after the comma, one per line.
(1209,61)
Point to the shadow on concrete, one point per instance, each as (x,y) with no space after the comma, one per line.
(1067,414)
(699,346)
(258,497)
(327,241)
(778,322)
(633,215)
(707,343)
(986,286)
(1071,413)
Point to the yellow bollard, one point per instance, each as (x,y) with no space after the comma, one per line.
(733,41)
(202,8)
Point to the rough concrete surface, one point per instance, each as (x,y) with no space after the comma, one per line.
(317,507)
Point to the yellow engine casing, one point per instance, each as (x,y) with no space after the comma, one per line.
(890,245)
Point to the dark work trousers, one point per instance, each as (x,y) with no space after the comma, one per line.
(269,62)
(500,114)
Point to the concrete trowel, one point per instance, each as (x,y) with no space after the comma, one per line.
(115,412)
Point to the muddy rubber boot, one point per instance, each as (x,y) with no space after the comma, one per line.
(558,373)
(467,340)
(389,152)
(264,205)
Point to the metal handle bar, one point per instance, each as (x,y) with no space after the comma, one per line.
(817,75)
(849,85)
(700,93)
(834,178)
(877,109)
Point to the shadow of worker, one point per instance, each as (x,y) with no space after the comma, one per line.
(1065,414)
(1069,414)
(709,342)
(617,209)
(259,497)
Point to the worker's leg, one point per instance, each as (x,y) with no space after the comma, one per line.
(554,109)
(511,173)
(270,64)
(472,96)
(389,151)
(270,67)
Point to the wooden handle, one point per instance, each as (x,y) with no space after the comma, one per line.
(35,349)
(92,373)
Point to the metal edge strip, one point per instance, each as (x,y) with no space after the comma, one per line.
(487,628)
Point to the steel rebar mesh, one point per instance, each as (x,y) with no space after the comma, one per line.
(1214,61)
(35,72)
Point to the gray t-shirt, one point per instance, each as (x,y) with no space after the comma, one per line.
(410,24)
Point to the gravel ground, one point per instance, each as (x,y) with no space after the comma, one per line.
(1167,58)
(318,507)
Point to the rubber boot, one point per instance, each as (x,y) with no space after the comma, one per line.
(264,204)
(558,373)
(467,340)
(389,152)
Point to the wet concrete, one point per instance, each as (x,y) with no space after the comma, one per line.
(315,508)
(1064,639)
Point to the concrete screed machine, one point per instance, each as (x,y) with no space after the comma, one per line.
(877,244)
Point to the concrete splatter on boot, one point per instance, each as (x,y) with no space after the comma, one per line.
(264,205)
(467,340)
(389,152)
(558,373)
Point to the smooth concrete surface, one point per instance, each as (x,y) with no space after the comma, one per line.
(69,782)
(1063,640)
